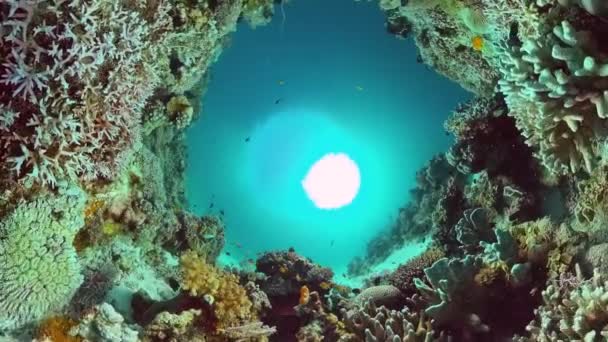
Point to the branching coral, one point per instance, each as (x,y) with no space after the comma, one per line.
(379,324)
(73,84)
(39,268)
(572,311)
(555,88)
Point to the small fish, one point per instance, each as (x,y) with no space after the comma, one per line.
(251,261)
(332,243)
(228,253)
(222,212)
(477,43)
(281,82)
(247,139)
(238,245)
(208,236)
(359,88)
(211,205)
(356,291)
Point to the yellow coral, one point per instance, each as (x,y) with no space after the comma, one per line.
(230,302)
(198,277)
(92,208)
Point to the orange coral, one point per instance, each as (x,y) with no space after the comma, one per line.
(231,305)
(57,329)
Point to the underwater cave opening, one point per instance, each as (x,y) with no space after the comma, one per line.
(287,94)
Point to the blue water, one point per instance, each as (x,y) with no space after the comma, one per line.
(342,85)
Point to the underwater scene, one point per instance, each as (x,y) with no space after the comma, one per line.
(303,170)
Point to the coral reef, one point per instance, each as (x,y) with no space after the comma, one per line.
(96,243)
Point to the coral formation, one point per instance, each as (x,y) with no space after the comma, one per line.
(229,299)
(39,268)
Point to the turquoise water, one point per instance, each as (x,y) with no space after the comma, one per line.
(329,79)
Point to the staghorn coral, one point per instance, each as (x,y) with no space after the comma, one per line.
(39,268)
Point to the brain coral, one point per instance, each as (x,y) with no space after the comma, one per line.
(39,269)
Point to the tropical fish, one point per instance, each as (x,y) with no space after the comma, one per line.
(278,100)
(281,82)
(359,88)
(247,139)
(208,236)
(477,43)
(325,285)
(304,295)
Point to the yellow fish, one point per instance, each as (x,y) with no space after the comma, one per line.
(325,285)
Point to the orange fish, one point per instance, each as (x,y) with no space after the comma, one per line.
(477,43)
(304,295)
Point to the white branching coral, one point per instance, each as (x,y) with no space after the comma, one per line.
(575,310)
(39,268)
(77,75)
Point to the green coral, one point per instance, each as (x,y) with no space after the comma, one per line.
(39,269)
